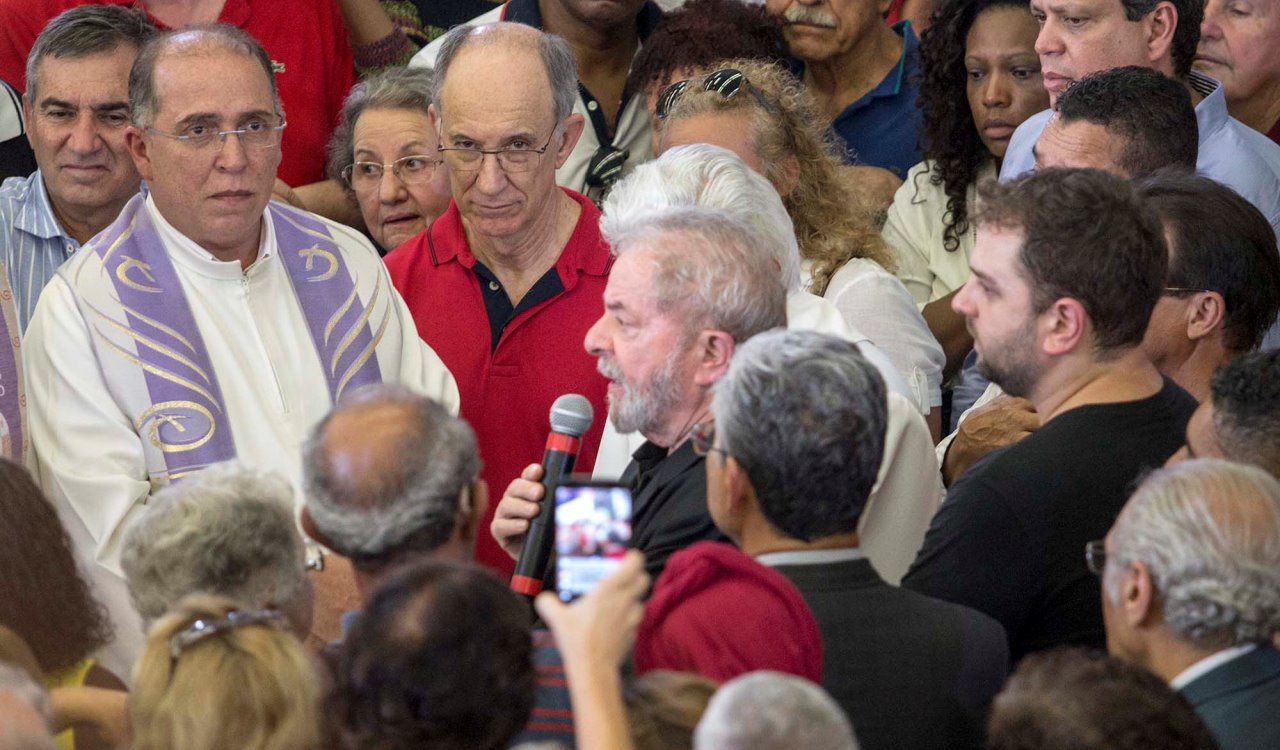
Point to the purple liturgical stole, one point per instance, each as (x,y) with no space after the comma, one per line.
(187,418)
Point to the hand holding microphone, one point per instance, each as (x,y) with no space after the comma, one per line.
(571,415)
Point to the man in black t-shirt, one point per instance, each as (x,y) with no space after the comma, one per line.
(1066,271)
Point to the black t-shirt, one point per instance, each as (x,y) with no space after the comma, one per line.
(1009,539)
(669,505)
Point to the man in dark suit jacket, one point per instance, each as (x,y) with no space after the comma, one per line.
(799,435)
(1191,591)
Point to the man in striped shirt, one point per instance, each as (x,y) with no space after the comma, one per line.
(76,110)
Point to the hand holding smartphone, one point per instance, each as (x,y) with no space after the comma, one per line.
(593,531)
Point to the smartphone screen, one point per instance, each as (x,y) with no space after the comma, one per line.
(593,527)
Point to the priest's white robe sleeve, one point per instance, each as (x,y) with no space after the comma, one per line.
(86,453)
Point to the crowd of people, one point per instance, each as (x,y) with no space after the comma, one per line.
(934,341)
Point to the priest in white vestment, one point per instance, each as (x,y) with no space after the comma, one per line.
(204,324)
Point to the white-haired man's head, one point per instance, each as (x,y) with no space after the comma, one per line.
(773,711)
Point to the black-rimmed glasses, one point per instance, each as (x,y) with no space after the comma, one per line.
(415,169)
(1175,290)
(1095,556)
(728,83)
(207,627)
(510,158)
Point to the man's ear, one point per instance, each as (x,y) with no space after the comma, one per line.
(1161,24)
(1205,314)
(26,115)
(738,490)
(471,513)
(715,350)
(1138,596)
(139,151)
(1064,326)
(571,131)
(309,528)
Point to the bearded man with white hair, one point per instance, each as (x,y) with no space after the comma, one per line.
(907,490)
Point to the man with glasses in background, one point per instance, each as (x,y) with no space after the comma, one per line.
(203,324)
(506,283)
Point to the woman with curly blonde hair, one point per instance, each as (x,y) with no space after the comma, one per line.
(760,112)
(214,676)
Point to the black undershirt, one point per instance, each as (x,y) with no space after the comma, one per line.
(497,305)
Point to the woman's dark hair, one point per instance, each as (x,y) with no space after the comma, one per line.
(951,140)
(42,596)
(441,658)
(703,32)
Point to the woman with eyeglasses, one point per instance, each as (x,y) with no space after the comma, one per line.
(761,113)
(214,676)
(981,80)
(43,598)
(384,152)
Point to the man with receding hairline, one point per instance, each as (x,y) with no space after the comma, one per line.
(506,282)
(204,324)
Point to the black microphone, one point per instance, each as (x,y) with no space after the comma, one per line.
(571,415)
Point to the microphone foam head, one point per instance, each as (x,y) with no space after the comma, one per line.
(571,414)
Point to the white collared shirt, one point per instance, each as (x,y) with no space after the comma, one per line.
(1208,664)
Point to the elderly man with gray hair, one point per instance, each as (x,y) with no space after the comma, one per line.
(227,531)
(772,711)
(391,477)
(506,282)
(689,285)
(907,491)
(799,425)
(1191,591)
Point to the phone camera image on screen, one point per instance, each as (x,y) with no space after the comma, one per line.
(593,528)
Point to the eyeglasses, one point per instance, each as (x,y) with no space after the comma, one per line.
(512,159)
(256,133)
(364,176)
(1184,290)
(727,83)
(703,438)
(1095,556)
(204,629)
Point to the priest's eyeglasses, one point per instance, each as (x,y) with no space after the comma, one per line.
(728,83)
(257,132)
(364,176)
(517,156)
(209,627)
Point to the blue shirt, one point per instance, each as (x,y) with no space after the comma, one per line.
(882,129)
(32,242)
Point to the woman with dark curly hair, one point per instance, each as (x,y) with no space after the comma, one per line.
(981,80)
(43,599)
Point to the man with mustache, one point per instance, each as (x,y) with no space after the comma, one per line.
(203,324)
(862,74)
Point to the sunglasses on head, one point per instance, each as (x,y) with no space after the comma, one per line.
(728,83)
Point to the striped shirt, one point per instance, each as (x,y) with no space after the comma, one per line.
(32,242)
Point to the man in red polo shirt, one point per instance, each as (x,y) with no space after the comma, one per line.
(506,283)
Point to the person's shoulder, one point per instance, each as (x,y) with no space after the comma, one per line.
(353,245)
(15,190)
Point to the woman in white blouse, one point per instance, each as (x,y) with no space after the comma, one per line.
(763,115)
(981,80)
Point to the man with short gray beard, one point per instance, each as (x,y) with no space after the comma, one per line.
(1191,591)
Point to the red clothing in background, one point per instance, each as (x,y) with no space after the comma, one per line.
(507,392)
(306,39)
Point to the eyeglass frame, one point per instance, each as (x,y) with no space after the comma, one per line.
(192,142)
(497,154)
(348,170)
(702,439)
(672,93)
(202,628)
(1184,290)
(1095,556)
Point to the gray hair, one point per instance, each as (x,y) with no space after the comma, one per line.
(16,680)
(84,31)
(557,60)
(804,414)
(721,277)
(1209,533)
(228,531)
(143,101)
(395,88)
(713,177)
(773,711)
(416,493)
